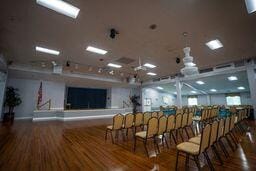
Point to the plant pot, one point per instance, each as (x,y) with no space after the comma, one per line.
(8,117)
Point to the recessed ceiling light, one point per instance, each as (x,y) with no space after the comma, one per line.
(160,88)
(200,82)
(240,88)
(214,44)
(151,73)
(149,65)
(60,7)
(96,50)
(45,50)
(213,90)
(114,65)
(194,92)
(232,78)
(250,5)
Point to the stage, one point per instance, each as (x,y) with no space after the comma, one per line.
(69,115)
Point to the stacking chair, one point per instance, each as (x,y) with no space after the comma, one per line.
(146,117)
(128,123)
(150,133)
(178,122)
(226,131)
(160,114)
(171,127)
(138,121)
(231,130)
(184,124)
(179,111)
(220,135)
(162,126)
(192,149)
(154,114)
(116,126)
(190,124)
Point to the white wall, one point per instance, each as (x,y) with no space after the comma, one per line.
(28,90)
(156,97)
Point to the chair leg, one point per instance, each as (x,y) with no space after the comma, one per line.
(229,143)
(135,143)
(156,143)
(177,160)
(217,154)
(208,160)
(223,149)
(187,162)
(173,136)
(197,162)
(112,138)
(145,146)
(123,134)
(106,134)
(181,135)
(186,132)
(233,139)
(165,139)
(193,133)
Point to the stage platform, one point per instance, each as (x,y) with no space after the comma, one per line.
(68,115)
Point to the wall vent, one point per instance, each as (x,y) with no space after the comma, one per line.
(224,66)
(205,70)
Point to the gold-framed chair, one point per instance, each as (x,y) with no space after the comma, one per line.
(116,126)
(154,114)
(190,124)
(138,121)
(192,149)
(162,126)
(184,123)
(178,122)
(160,114)
(226,131)
(150,133)
(128,123)
(146,117)
(170,128)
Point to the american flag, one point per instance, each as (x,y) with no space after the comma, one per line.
(40,94)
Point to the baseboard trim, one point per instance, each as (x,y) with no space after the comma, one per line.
(71,118)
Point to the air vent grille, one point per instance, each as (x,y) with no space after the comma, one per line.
(205,70)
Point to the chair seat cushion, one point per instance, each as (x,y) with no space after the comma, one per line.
(141,134)
(195,140)
(188,147)
(110,127)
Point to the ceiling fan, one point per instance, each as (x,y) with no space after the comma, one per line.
(140,67)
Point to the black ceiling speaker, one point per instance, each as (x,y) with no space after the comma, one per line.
(113,33)
(177,60)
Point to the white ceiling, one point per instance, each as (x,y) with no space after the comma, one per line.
(24,24)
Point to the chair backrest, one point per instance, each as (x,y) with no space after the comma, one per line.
(178,120)
(184,120)
(214,132)
(203,114)
(226,126)
(232,122)
(160,114)
(179,111)
(220,129)
(154,114)
(146,117)
(162,124)
(232,110)
(190,118)
(118,121)
(138,119)
(170,123)
(128,120)
(205,138)
(152,127)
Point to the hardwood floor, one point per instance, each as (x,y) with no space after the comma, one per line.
(80,145)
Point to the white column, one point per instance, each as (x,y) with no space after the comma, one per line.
(178,90)
(252,84)
(208,99)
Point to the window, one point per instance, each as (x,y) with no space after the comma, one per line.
(192,101)
(233,100)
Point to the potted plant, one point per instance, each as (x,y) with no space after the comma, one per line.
(135,103)
(12,99)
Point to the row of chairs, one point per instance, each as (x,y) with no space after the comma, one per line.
(212,134)
(130,121)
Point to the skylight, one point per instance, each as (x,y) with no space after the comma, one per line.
(114,65)
(149,65)
(96,50)
(200,82)
(151,73)
(214,44)
(240,88)
(232,78)
(213,90)
(45,50)
(60,7)
(160,88)
(250,5)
